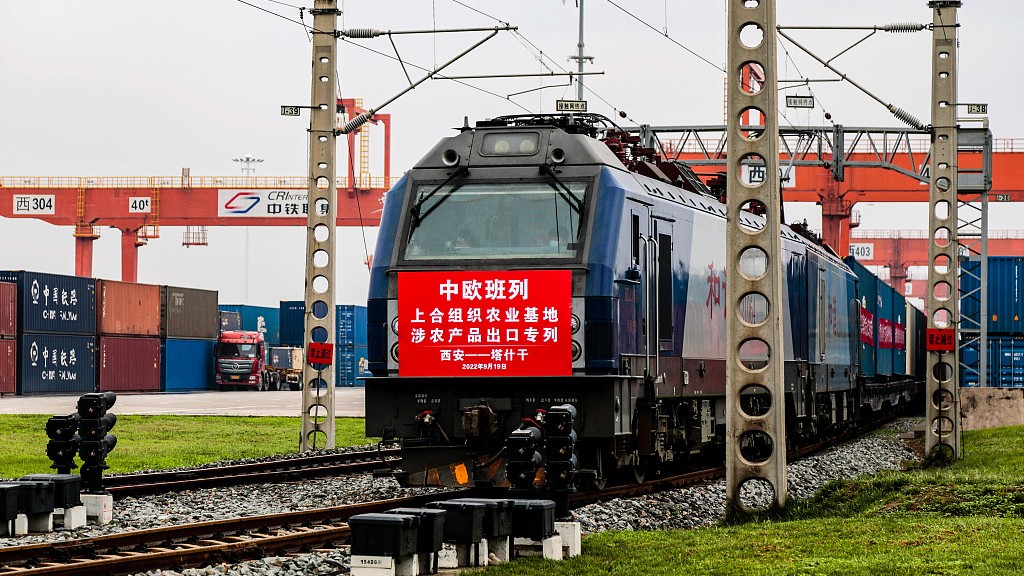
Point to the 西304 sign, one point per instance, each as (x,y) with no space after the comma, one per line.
(34,204)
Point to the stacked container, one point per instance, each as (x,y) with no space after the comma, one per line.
(1005,293)
(56,327)
(128,321)
(1005,296)
(293,318)
(8,333)
(189,326)
(257,319)
(350,338)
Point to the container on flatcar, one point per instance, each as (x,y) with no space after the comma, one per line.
(258,319)
(129,364)
(867,289)
(899,333)
(188,313)
(8,367)
(1005,293)
(884,330)
(56,364)
(8,309)
(127,308)
(187,365)
(912,344)
(54,303)
(229,321)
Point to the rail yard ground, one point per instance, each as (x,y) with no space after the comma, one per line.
(964,519)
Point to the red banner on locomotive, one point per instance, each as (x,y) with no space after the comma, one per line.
(485,323)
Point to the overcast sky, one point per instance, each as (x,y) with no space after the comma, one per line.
(106,88)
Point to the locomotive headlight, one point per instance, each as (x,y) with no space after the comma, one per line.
(394,352)
(577,350)
(510,144)
(394,326)
(575,323)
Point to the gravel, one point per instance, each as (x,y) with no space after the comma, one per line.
(705,505)
(685,508)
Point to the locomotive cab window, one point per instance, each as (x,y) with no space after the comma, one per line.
(496,220)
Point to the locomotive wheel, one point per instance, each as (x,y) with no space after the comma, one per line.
(633,473)
(638,470)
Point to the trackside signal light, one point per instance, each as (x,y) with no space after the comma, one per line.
(97,441)
(523,458)
(96,404)
(64,442)
(559,447)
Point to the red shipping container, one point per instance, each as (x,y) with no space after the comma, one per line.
(129,364)
(8,309)
(8,366)
(127,308)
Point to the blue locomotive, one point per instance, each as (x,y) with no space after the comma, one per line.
(534,271)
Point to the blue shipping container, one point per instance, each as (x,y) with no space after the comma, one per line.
(56,364)
(1005,293)
(350,324)
(292,317)
(350,365)
(187,365)
(258,319)
(899,335)
(54,303)
(867,290)
(883,329)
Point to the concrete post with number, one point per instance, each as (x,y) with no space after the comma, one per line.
(754,348)
(318,380)
(942,401)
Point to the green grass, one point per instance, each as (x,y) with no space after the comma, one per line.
(155,442)
(895,544)
(962,519)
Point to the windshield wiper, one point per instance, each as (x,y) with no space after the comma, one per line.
(563,191)
(415,210)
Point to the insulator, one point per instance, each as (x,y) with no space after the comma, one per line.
(361,33)
(356,122)
(902,27)
(906,117)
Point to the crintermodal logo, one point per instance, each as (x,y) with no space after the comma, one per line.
(241,203)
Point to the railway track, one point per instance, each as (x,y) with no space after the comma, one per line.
(239,539)
(287,470)
(197,544)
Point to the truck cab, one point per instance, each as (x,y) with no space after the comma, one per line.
(240,360)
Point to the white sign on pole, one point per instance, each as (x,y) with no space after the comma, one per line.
(862,251)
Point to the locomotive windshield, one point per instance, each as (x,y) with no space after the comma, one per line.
(496,220)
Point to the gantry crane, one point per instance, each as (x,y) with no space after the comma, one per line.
(138,206)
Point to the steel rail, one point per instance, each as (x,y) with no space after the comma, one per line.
(198,543)
(318,465)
